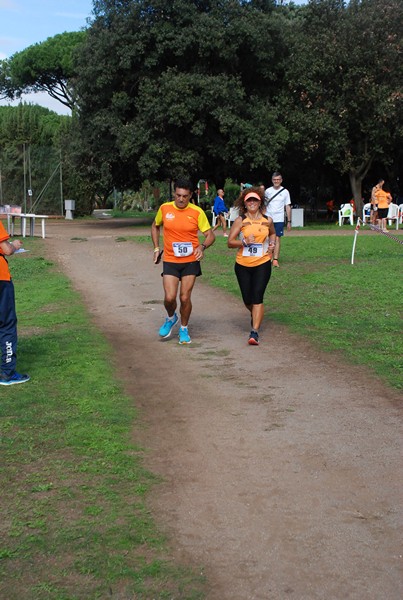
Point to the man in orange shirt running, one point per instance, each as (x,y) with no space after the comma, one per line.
(183,252)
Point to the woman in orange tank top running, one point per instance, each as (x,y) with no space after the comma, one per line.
(254,236)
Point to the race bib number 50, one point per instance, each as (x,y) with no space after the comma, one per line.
(182,249)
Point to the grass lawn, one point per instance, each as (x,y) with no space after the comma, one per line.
(353,309)
(74,521)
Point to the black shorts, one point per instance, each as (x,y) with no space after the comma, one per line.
(383,213)
(253,281)
(180,270)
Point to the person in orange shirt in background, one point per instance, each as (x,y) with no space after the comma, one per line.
(182,254)
(352,202)
(330,211)
(374,204)
(8,317)
(382,200)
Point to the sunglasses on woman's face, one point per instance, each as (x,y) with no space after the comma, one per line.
(252,200)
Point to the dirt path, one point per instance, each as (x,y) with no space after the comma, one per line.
(282,470)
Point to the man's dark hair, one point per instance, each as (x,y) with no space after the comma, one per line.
(184,183)
(276,174)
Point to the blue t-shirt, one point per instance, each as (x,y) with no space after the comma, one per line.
(219,206)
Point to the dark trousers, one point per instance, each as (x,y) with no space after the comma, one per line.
(253,282)
(8,328)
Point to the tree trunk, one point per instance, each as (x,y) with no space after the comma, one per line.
(356,188)
(356,179)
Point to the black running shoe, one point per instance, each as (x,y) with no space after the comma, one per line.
(253,338)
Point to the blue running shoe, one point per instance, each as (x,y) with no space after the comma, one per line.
(13,379)
(166,329)
(184,337)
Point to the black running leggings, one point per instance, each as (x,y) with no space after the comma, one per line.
(253,282)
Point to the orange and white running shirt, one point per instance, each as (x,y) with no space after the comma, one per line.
(383,198)
(255,254)
(181,227)
(4,270)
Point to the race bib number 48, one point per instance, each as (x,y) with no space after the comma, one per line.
(182,249)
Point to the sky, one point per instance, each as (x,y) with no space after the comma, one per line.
(27,22)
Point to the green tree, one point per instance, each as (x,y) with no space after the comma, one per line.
(48,66)
(181,87)
(90,175)
(30,140)
(344,78)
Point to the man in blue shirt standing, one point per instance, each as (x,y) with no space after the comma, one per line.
(220,210)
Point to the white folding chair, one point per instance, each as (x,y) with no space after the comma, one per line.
(346,212)
(232,215)
(400,214)
(393,214)
(366,212)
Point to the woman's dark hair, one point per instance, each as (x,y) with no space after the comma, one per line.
(240,201)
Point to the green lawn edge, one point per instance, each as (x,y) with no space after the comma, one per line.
(75,522)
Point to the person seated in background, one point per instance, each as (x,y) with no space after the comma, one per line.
(367,212)
(261,187)
(330,211)
(220,210)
